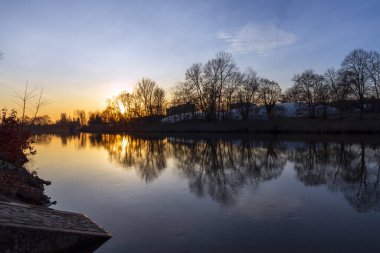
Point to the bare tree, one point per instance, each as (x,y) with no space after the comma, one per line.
(307,86)
(158,101)
(230,92)
(217,74)
(248,91)
(32,101)
(373,69)
(81,115)
(136,106)
(194,86)
(355,67)
(290,95)
(323,94)
(125,104)
(339,89)
(269,94)
(111,115)
(144,92)
(208,82)
(182,94)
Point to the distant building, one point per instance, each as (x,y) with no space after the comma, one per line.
(184,108)
(241,105)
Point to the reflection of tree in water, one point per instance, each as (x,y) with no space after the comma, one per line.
(352,169)
(221,168)
(42,138)
(362,190)
(310,164)
(80,140)
(214,167)
(146,155)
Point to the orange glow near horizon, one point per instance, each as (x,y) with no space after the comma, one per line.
(96,102)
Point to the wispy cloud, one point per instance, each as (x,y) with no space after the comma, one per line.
(257,38)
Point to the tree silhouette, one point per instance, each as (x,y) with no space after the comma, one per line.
(269,94)
(308,87)
(355,68)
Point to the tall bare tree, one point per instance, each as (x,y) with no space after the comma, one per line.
(323,94)
(158,101)
(125,104)
(81,116)
(194,87)
(31,100)
(144,93)
(218,72)
(307,86)
(291,95)
(339,89)
(208,82)
(355,67)
(269,94)
(373,69)
(248,92)
(182,94)
(230,92)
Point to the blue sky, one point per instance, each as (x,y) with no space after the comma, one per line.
(85,51)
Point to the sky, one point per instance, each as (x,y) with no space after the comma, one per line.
(83,52)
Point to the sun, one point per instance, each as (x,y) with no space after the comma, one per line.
(114,89)
(121,107)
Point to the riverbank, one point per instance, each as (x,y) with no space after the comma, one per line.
(28,225)
(369,124)
(20,185)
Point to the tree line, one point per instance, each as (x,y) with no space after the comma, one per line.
(214,86)
(147,100)
(357,79)
(217,86)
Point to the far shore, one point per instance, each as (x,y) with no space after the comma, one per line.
(368,125)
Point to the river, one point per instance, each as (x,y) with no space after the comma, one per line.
(218,193)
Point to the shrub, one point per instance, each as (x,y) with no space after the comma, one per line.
(15,144)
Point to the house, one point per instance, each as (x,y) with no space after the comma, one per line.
(178,109)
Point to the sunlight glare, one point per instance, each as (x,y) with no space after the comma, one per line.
(121,107)
(114,89)
(124,144)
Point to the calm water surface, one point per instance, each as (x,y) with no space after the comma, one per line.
(237,194)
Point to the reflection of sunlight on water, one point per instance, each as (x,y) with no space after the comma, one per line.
(124,144)
(221,169)
(237,188)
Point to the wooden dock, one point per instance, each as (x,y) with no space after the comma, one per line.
(26,228)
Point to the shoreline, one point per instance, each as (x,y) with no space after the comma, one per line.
(28,223)
(368,125)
